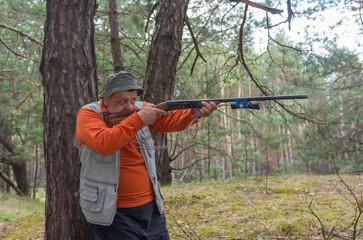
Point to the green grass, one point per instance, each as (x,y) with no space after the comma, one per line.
(250,208)
(21,217)
(255,209)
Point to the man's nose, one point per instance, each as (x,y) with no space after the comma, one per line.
(129,106)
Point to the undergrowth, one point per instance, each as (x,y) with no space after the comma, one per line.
(21,217)
(251,208)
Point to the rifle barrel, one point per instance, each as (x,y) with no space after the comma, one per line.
(196,103)
(260,98)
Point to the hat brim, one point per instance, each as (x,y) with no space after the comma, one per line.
(104,94)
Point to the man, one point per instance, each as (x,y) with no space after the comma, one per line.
(119,191)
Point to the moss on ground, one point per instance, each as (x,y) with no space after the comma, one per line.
(21,217)
(253,208)
(257,208)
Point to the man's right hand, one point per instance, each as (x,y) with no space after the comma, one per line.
(149,114)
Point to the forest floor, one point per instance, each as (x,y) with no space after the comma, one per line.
(277,207)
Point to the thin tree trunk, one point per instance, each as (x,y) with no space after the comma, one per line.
(69,78)
(35,187)
(224,139)
(289,147)
(115,39)
(229,140)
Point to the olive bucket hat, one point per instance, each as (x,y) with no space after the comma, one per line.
(121,81)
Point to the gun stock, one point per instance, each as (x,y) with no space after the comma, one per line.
(115,118)
(237,103)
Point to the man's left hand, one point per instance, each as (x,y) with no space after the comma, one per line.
(207,109)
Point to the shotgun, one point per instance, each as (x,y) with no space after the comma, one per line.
(236,103)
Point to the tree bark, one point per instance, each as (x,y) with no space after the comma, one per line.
(160,74)
(115,40)
(69,78)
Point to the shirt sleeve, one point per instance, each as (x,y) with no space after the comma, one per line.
(176,120)
(93,131)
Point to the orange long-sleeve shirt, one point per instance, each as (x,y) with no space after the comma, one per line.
(135,187)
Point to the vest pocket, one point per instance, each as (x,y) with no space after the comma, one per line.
(98,201)
(92,196)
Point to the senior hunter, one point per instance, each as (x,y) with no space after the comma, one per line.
(119,191)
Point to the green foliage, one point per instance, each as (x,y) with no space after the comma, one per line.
(21,96)
(134,40)
(337,139)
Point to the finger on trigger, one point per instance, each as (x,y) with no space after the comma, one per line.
(162,112)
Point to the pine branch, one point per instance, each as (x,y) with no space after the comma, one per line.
(21,33)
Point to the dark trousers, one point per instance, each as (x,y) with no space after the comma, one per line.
(143,222)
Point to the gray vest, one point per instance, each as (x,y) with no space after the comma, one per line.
(99,176)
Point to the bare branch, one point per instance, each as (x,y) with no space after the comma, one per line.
(179,153)
(256,5)
(194,38)
(199,54)
(237,119)
(290,13)
(23,101)
(358,204)
(11,50)
(11,184)
(278,43)
(265,90)
(319,220)
(185,59)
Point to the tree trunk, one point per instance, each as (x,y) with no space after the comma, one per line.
(7,173)
(115,40)
(10,183)
(20,173)
(160,74)
(69,79)
(36,170)
(18,166)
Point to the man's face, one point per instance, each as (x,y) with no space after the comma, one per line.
(120,101)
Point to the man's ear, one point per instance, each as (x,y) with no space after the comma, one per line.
(105,101)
